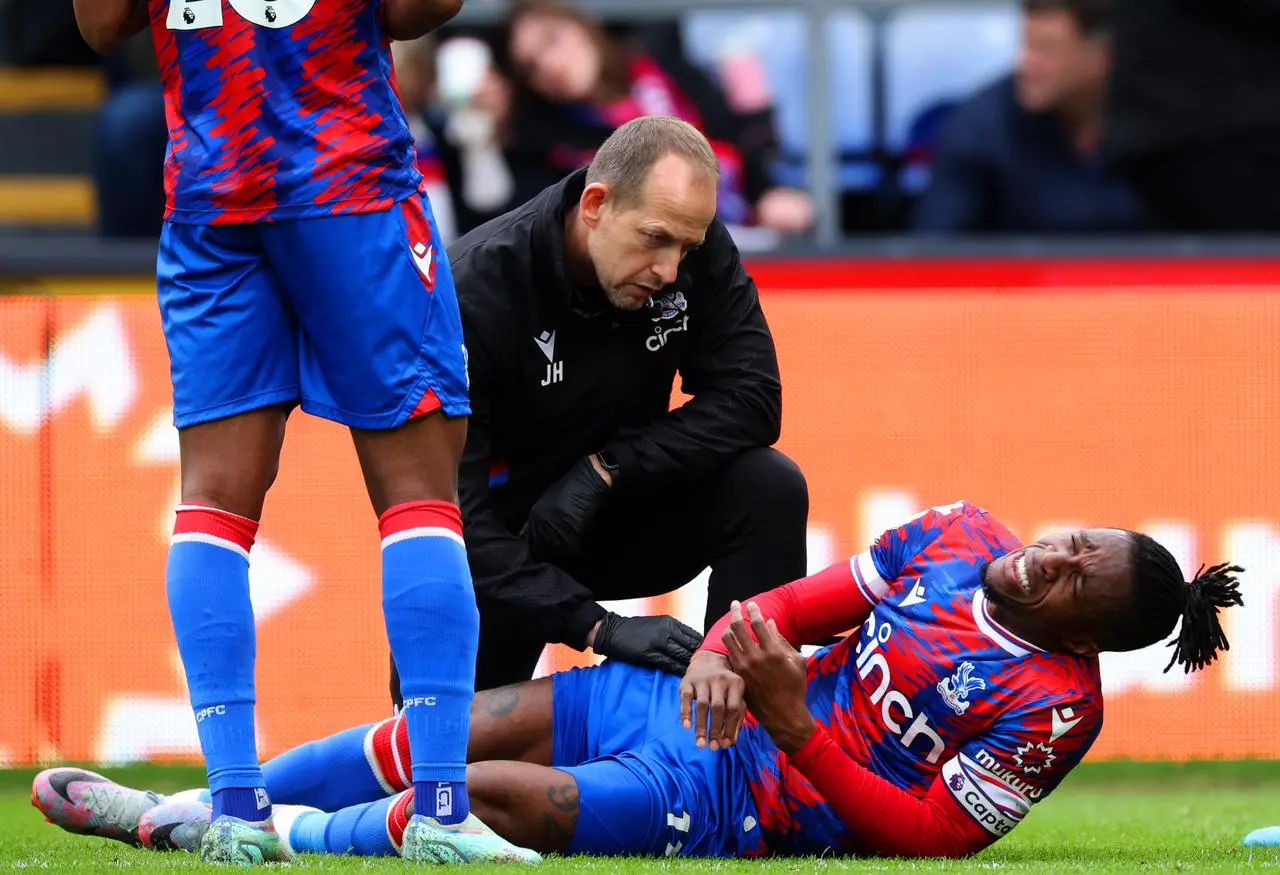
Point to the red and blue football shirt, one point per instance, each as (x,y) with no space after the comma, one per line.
(279,109)
(929,693)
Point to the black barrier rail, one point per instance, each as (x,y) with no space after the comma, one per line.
(23,258)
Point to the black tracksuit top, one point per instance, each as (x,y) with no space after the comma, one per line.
(557,373)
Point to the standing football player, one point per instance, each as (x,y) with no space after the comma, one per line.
(300,264)
(967,693)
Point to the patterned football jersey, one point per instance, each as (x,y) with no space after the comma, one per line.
(930,688)
(279,109)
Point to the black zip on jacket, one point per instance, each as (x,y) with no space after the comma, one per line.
(557,373)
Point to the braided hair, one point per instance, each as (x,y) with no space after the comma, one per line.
(1162,598)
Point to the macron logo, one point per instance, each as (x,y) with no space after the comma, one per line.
(547,343)
(915,597)
(425,257)
(1063,723)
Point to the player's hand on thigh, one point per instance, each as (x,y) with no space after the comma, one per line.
(711,700)
(775,676)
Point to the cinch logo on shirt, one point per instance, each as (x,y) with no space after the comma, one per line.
(891,700)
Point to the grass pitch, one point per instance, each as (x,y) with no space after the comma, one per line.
(1106,817)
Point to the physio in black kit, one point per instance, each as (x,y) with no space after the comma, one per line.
(579,483)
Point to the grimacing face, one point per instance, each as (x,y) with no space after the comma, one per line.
(636,248)
(1065,590)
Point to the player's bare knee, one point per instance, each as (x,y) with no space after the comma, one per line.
(416,462)
(231,463)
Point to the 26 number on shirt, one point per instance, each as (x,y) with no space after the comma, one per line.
(201,14)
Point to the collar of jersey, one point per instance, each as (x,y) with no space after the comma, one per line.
(1007,641)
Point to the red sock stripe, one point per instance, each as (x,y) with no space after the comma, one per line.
(386,747)
(205,520)
(421,515)
(398,818)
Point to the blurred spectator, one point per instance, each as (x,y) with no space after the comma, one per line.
(458,105)
(1195,112)
(131,138)
(415,63)
(576,84)
(1024,154)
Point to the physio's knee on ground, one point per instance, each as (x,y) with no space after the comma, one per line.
(768,487)
(763,502)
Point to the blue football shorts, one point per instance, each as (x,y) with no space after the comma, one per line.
(644,787)
(353,316)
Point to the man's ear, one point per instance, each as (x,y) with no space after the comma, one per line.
(1080,645)
(592,203)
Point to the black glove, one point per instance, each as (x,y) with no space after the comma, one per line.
(561,519)
(657,642)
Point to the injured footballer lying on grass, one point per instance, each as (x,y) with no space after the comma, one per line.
(967,693)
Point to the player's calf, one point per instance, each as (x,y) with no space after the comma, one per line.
(531,806)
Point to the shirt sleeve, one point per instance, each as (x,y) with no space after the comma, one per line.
(1021,760)
(503,569)
(979,796)
(842,596)
(887,820)
(894,549)
(811,609)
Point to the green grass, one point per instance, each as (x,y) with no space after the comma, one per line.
(1107,817)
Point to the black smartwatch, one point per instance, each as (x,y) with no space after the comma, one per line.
(608,462)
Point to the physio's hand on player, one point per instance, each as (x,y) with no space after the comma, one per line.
(712,691)
(560,520)
(775,676)
(663,643)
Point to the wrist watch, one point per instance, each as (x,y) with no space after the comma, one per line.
(608,462)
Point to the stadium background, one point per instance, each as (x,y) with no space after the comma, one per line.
(1056,384)
(1055,393)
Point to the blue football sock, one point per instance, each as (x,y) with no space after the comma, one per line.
(331,773)
(208,587)
(358,829)
(433,626)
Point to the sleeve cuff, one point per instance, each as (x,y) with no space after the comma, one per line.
(811,750)
(580,623)
(625,456)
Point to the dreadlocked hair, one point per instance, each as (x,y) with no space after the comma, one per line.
(1201,635)
(1162,598)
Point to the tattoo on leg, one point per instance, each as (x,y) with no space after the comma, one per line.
(554,835)
(502,701)
(564,797)
(559,825)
